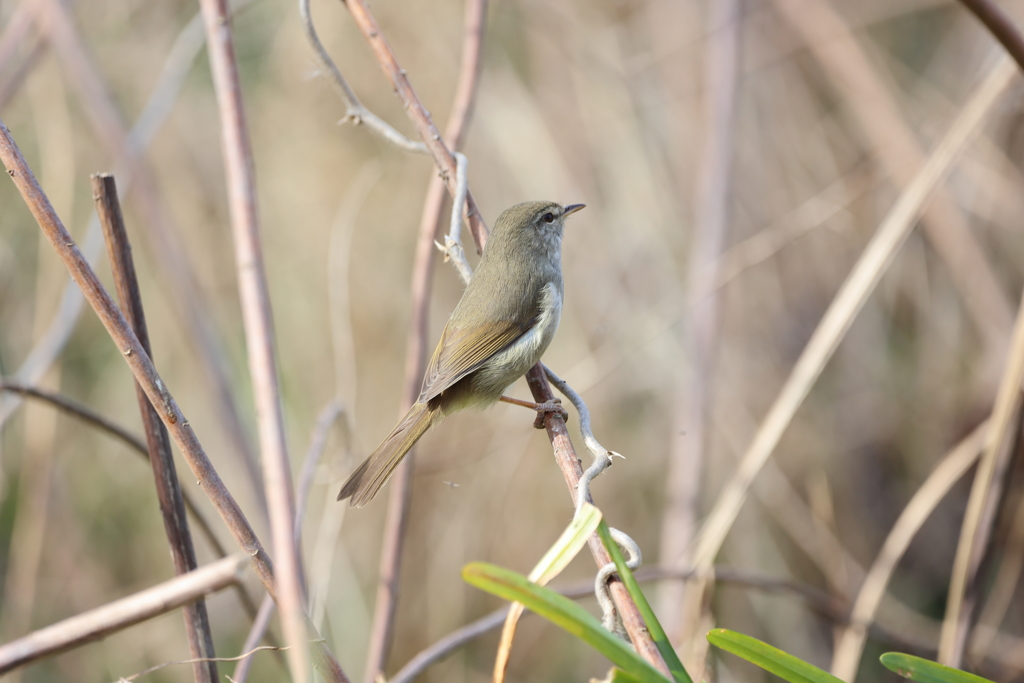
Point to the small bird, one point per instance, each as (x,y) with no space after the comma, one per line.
(500,328)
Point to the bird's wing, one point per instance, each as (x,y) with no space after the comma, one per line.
(462,350)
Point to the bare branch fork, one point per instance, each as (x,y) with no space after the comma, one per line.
(147,376)
(354,109)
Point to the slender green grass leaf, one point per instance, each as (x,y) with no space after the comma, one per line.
(661,641)
(771,659)
(924,671)
(617,675)
(551,565)
(567,546)
(562,612)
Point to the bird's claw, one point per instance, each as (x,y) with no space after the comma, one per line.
(552,406)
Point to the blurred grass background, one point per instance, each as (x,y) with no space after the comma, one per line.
(597,102)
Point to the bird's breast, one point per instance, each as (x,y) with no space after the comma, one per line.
(510,364)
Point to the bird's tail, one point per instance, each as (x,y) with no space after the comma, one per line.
(375,471)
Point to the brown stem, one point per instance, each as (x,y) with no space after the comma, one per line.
(120,614)
(418,114)
(569,463)
(145,373)
(433,214)
(259,332)
(1000,25)
(168,488)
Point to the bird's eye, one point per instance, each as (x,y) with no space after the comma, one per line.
(548,217)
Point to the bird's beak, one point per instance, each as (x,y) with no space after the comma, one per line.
(571,208)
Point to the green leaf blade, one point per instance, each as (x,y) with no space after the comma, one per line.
(925,671)
(654,628)
(562,612)
(771,659)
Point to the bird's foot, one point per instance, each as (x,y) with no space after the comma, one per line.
(552,406)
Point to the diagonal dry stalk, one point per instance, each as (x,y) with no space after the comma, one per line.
(120,614)
(168,488)
(986,492)
(950,469)
(259,332)
(145,373)
(869,269)
(896,146)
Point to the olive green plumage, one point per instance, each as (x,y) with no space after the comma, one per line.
(500,328)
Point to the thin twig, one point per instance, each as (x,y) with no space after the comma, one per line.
(382,626)
(259,332)
(419,115)
(79,410)
(950,469)
(164,665)
(168,488)
(120,614)
(354,109)
(983,503)
(145,373)
(874,260)
(1000,25)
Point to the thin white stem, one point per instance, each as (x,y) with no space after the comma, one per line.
(354,109)
(452,248)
